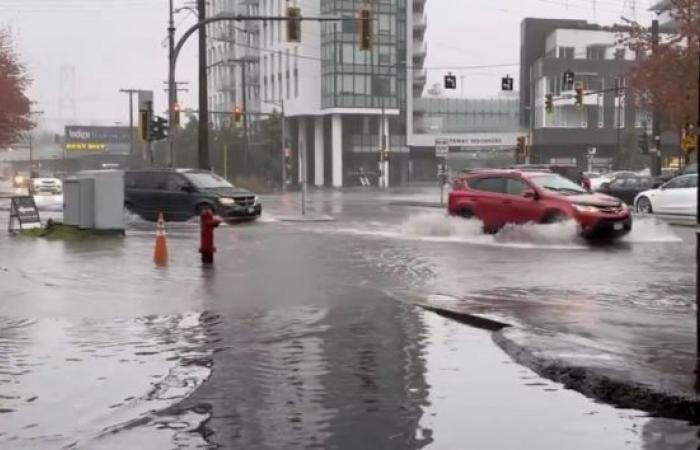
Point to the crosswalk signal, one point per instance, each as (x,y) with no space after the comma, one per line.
(549,103)
(578,97)
(237,114)
(293,24)
(507,83)
(365,29)
(450,81)
(159,129)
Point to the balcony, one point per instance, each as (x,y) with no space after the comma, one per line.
(418,6)
(420,23)
(420,50)
(420,77)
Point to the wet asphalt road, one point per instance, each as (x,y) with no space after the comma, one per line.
(307,335)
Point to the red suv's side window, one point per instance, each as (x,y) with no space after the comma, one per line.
(492,184)
(516,187)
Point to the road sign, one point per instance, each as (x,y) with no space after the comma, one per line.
(688,144)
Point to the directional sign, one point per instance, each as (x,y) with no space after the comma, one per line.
(442,147)
(688,144)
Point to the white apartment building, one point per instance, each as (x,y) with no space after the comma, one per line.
(338,100)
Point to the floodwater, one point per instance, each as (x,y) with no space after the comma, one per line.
(307,335)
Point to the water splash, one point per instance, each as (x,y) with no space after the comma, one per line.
(651,229)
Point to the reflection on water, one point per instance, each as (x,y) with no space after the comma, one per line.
(64,382)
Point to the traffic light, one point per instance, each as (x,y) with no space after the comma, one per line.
(450,81)
(293,24)
(177,109)
(237,114)
(549,103)
(145,119)
(365,29)
(159,129)
(579,96)
(507,83)
(568,80)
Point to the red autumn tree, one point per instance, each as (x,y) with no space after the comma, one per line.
(14,104)
(668,77)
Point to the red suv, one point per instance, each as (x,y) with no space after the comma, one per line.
(498,197)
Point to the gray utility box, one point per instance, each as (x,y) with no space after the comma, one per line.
(94,199)
(78,201)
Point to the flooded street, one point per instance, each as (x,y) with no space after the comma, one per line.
(312,335)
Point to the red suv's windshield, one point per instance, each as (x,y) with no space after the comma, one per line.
(558,184)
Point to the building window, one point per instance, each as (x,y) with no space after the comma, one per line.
(595,52)
(566,53)
(619,54)
(287,87)
(296,83)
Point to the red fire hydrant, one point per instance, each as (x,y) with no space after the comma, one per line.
(208,221)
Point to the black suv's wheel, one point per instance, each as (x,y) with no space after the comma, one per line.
(644,206)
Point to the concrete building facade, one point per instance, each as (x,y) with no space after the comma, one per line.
(608,116)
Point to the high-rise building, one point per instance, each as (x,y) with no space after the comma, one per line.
(342,104)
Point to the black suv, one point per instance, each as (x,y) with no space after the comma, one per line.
(181,194)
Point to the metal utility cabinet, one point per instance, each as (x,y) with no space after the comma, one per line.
(94,199)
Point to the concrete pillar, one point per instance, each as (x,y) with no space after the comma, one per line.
(301,154)
(319,178)
(337,149)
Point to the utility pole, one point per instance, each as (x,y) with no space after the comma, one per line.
(697,234)
(130,93)
(203,143)
(172,88)
(245,115)
(656,116)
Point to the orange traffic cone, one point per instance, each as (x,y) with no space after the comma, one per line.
(160,254)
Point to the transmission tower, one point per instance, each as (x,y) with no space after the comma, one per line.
(66,94)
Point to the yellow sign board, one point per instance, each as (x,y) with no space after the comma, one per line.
(86,146)
(689,144)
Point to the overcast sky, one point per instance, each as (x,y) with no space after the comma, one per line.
(117,44)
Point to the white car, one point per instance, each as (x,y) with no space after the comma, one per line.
(51,186)
(678,197)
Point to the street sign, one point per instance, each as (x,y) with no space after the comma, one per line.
(23,213)
(688,144)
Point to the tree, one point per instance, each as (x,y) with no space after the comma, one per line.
(668,78)
(14,104)
(629,156)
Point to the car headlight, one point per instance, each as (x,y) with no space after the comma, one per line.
(585,208)
(226,201)
(256,200)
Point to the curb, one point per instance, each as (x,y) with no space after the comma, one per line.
(592,382)
(596,384)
